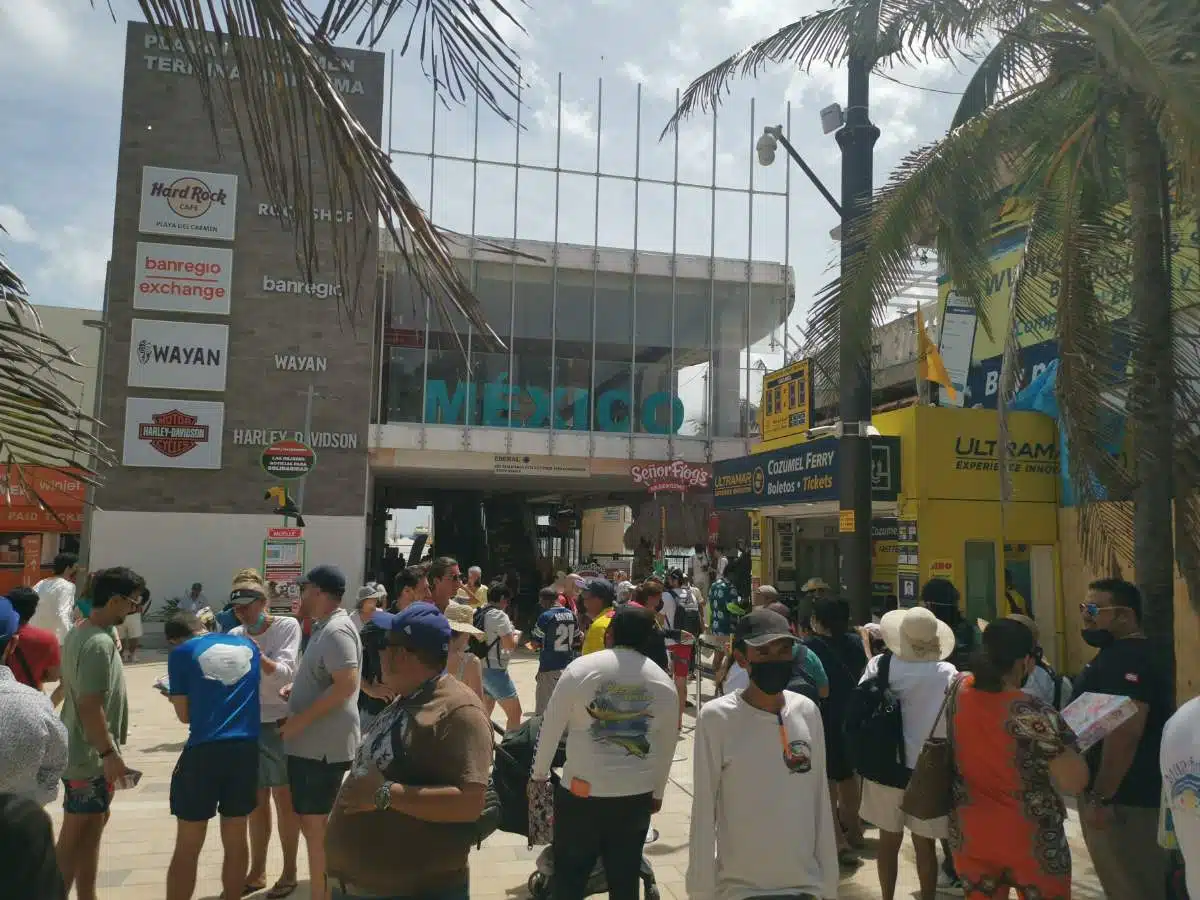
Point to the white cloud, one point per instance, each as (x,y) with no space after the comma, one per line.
(16,225)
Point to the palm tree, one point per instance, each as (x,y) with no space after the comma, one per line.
(461,49)
(1077,112)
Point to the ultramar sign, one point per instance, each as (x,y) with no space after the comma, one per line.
(975,454)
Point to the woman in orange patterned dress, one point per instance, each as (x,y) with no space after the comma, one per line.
(1013,754)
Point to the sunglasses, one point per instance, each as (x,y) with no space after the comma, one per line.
(1091,610)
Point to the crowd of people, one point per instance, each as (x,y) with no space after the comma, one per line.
(365,720)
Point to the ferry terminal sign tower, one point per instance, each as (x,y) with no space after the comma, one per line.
(205,264)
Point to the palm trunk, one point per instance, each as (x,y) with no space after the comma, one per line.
(1152,386)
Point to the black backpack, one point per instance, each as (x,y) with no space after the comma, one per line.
(874,730)
(687,611)
(479,646)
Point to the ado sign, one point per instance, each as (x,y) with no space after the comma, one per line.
(288,459)
(677,476)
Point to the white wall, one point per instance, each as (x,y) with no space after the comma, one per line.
(65,325)
(173,550)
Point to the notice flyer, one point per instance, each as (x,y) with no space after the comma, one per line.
(1093,717)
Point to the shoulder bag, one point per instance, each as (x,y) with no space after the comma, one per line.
(930,791)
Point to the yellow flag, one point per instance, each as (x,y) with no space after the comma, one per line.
(929,361)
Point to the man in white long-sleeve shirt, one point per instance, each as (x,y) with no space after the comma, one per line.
(762,823)
(620,713)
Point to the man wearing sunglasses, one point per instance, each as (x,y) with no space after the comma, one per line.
(1120,809)
(759,771)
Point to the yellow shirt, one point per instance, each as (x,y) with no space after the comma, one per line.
(1014,603)
(594,639)
(476,600)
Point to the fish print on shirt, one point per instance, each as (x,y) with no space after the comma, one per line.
(621,717)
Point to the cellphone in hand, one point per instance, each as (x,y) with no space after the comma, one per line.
(127,781)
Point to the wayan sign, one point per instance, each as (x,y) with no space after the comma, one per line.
(287,363)
(185,355)
(531,407)
(804,473)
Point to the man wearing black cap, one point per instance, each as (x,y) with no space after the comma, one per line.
(422,769)
(759,770)
(322,730)
(619,711)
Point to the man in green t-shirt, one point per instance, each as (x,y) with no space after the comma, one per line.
(96,713)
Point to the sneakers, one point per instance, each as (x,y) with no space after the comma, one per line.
(948,886)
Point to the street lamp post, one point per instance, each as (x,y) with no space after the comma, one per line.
(856,136)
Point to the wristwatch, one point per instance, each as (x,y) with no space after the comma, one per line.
(1096,799)
(383,796)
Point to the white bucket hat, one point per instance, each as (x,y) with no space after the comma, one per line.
(917,635)
(370,591)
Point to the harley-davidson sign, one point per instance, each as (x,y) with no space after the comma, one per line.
(677,476)
(179,434)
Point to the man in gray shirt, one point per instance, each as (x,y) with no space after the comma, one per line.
(321,732)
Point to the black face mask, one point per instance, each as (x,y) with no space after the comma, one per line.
(771,677)
(1097,637)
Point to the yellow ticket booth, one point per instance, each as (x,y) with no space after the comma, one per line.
(936,511)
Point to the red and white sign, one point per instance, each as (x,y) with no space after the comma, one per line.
(182,278)
(285,534)
(173,434)
(677,476)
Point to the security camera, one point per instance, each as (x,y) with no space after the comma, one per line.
(766,147)
(832,118)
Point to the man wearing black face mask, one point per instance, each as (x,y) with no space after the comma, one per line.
(1119,812)
(760,770)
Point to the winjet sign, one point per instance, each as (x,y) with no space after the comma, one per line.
(182,278)
(188,204)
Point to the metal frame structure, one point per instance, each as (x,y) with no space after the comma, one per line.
(639,179)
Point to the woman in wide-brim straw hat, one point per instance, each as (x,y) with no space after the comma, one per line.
(919,643)
(461,662)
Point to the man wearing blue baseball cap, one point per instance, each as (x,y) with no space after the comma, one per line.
(322,729)
(33,742)
(423,765)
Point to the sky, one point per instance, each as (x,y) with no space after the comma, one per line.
(60,87)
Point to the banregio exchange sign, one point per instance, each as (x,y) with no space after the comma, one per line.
(182,278)
(178,355)
(185,203)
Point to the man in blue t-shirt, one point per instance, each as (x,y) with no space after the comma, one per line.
(213,683)
(554,638)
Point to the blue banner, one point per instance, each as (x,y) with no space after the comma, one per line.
(804,473)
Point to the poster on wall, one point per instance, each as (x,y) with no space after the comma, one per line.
(956,344)
(173,434)
(908,570)
(182,278)
(178,355)
(283,564)
(186,203)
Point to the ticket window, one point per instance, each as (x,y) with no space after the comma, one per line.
(980,558)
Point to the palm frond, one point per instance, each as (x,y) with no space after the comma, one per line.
(305,143)
(40,425)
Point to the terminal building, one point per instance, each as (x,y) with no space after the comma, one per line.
(216,345)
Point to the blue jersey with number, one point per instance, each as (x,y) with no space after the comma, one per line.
(555,632)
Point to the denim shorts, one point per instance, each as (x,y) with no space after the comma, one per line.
(86,796)
(498,684)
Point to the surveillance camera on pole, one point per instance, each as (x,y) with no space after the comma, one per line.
(767,145)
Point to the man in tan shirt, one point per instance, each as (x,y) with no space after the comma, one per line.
(419,779)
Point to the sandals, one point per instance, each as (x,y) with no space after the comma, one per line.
(281,889)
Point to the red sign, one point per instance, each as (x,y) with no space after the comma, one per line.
(19,492)
(285,534)
(173,433)
(677,476)
(288,459)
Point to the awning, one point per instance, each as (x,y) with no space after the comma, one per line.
(803,473)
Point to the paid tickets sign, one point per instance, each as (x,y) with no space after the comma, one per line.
(787,401)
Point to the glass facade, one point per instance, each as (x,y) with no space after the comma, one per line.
(611,352)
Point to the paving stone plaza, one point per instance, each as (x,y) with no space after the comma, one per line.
(139,838)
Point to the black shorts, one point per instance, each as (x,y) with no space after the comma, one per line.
(314,784)
(221,776)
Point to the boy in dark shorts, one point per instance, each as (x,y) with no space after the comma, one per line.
(214,687)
